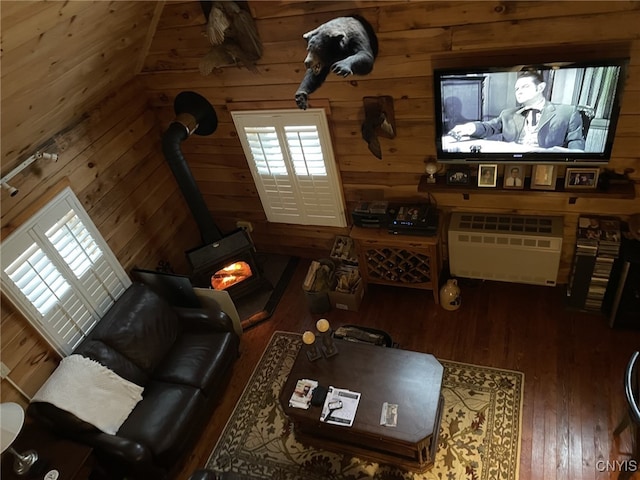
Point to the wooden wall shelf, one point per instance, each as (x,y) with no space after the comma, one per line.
(614,190)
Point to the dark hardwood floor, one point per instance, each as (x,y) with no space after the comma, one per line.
(572,361)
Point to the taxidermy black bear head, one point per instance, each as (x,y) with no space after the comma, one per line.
(344,45)
(324,50)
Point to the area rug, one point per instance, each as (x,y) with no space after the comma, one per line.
(479,436)
(260,304)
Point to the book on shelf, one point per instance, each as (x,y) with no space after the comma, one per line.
(603,233)
(597,246)
(601,269)
(587,250)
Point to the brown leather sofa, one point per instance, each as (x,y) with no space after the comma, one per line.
(181,356)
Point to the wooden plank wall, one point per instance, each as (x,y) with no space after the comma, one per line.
(413,37)
(113,163)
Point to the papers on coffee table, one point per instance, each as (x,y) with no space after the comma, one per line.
(389,415)
(340,407)
(301,396)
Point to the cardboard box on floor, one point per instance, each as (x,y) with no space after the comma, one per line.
(349,289)
(317,284)
(347,301)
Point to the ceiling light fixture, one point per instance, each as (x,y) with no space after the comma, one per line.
(13,191)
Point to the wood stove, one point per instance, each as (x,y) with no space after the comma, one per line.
(210,262)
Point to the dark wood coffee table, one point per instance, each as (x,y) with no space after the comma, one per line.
(411,380)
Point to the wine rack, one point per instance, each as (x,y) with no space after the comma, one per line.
(411,261)
(398,265)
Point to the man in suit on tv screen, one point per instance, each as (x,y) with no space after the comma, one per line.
(536,122)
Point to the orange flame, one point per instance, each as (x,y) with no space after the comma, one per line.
(230,275)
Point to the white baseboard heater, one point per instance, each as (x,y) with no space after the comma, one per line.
(509,248)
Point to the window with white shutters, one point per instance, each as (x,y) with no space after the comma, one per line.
(59,272)
(292,163)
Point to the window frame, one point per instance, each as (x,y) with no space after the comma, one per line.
(280,119)
(34,231)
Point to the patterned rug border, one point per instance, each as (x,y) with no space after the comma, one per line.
(520,406)
(246,387)
(266,351)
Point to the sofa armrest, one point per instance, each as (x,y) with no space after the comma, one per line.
(205,319)
(129,452)
(68,425)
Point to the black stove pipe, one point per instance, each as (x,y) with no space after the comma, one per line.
(194,114)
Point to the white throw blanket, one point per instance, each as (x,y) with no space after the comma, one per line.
(91,392)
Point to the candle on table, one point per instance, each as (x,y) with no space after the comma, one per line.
(313,352)
(308,337)
(328,347)
(323,325)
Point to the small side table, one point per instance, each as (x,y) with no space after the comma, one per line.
(399,260)
(73,460)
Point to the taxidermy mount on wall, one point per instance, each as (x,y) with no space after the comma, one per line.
(232,34)
(344,45)
(379,120)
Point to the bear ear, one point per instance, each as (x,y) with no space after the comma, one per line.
(310,34)
(340,38)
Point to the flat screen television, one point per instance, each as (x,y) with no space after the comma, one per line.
(485,114)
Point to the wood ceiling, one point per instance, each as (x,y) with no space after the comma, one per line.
(60,58)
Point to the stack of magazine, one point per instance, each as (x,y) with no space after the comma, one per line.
(301,396)
(597,247)
(608,250)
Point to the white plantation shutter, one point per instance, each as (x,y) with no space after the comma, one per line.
(38,278)
(60,273)
(292,163)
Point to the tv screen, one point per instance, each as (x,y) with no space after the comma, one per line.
(558,113)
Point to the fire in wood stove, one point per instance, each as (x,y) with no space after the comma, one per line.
(228,264)
(230,275)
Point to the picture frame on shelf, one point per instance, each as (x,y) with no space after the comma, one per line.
(543,177)
(513,177)
(487,175)
(458,175)
(581,178)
